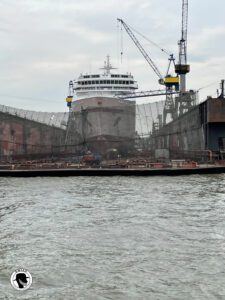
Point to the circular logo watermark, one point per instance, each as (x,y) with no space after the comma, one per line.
(21,279)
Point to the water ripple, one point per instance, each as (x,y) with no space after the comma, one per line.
(114,238)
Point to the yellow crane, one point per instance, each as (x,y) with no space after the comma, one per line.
(170,82)
(167,80)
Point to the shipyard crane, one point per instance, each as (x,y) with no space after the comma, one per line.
(142,50)
(182,68)
(169,81)
(69,98)
(187,99)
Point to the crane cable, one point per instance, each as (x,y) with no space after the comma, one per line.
(153,43)
(206,86)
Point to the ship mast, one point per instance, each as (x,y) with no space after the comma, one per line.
(107,66)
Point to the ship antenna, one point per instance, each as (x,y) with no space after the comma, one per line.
(108,65)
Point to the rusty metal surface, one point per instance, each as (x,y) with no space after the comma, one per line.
(22,136)
(216,110)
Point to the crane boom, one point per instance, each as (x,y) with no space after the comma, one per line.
(169,81)
(142,50)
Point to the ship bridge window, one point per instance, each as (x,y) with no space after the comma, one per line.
(106,82)
(86,76)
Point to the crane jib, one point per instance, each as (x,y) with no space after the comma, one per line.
(141,49)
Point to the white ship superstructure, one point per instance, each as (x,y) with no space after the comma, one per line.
(99,119)
(106,84)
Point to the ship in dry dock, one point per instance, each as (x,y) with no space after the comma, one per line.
(103,120)
(99,119)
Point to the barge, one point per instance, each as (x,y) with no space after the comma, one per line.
(119,168)
(112,172)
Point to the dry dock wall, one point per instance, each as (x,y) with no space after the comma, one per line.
(19,136)
(202,128)
(182,134)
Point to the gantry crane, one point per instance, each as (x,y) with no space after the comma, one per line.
(170,82)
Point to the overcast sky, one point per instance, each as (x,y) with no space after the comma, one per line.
(46,43)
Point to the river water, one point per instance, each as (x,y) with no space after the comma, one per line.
(114,238)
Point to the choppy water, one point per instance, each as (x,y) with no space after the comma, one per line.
(114,238)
